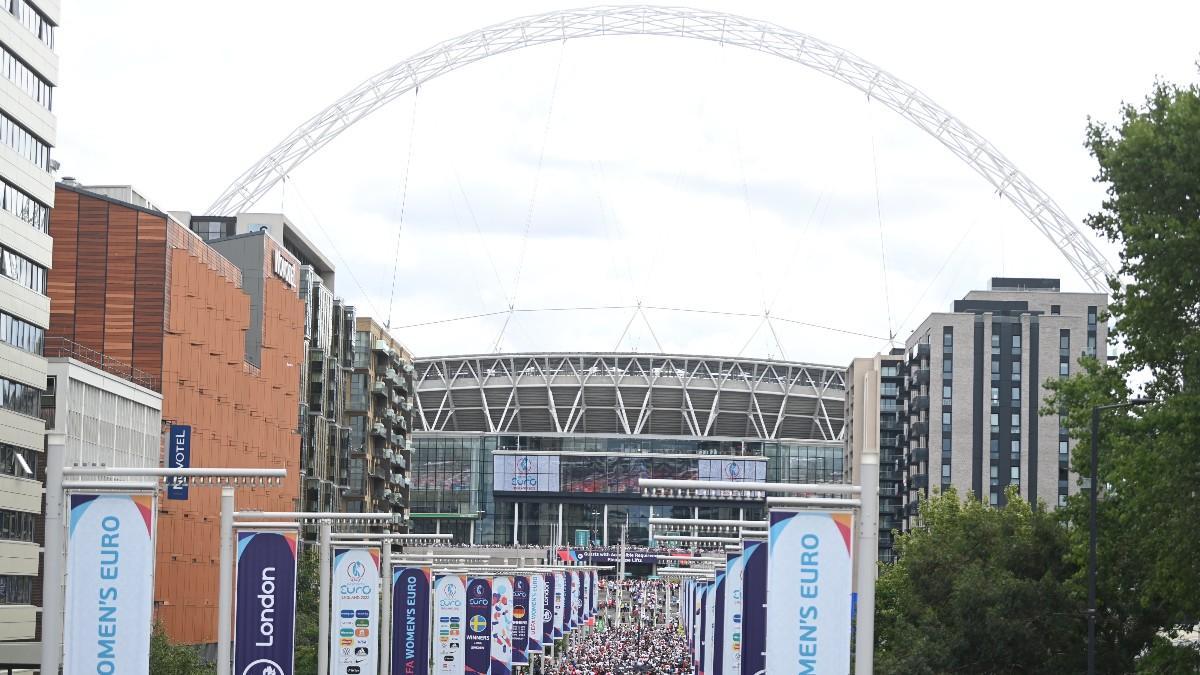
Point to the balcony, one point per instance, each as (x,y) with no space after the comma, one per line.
(918,455)
(377,429)
(918,429)
(912,508)
(919,404)
(398,460)
(920,377)
(390,375)
(890,476)
(380,388)
(397,439)
(889,491)
(920,351)
(380,346)
(918,481)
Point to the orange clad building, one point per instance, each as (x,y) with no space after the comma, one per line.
(134,284)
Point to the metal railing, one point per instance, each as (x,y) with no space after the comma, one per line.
(57,347)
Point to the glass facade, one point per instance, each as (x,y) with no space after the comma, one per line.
(452,490)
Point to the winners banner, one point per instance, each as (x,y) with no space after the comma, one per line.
(809,576)
(550,610)
(110,584)
(479,626)
(502,625)
(520,620)
(450,617)
(410,621)
(264,637)
(537,614)
(354,642)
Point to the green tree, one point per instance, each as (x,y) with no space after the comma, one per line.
(1149,555)
(169,658)
(308,584)
(981,590)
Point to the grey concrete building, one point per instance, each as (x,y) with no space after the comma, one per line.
(977,384)
(877,395)
(27,132)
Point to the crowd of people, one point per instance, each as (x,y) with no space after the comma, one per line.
(639,648)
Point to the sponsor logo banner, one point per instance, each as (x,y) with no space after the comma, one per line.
(450,621)
(520,620)
(537,613)
(110,575)
(479,626)
(502,625)
(731,648)
(354,647)
(264,626)
(809,576)
(410,621)
(561,580)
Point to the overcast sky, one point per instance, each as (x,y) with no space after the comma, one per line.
(670,172)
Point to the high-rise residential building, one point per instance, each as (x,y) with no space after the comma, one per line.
(28,75)
(135,285)
(379,410)
(877,412)
(329,326)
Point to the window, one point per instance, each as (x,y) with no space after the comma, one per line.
(945,421)
(23,271)
(1015,446)
(946,447)
(1014,473)
(1064,448)
(1016,420)
(1016,371)
(1091,311)
(26,144)
(995,367)
(16,590)
(995,475)
(25,207)
(995,343)
(1056,309)
(34,20)
(947,366)
(23,76)
(14,461)
(995,395)
(1064,340)
(1016,343)
(1016,393)
(1091,347)
(994,499)
(945,472)
(1064,368)
(1062,500)
(20,397)
(995,423)
(21,334)
(995,450)
(17,525)
(947,339)
(889,371)
(947,394)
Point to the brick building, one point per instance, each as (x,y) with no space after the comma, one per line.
(132,282)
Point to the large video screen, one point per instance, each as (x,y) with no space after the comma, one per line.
(744,470)
(525,473)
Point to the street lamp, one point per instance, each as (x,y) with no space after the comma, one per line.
(1092,535)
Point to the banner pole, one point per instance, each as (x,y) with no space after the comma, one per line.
(323,545)
(385,623)
(868,555)
(225,585)
(52,592)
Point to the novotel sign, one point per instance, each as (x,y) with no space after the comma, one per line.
(285,269)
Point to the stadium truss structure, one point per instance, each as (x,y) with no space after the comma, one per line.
(630,394)
(726,29)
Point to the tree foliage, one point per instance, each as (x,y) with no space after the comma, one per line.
(169,658)
(978,589)
(308,585)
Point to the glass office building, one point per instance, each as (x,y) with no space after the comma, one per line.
(535,449)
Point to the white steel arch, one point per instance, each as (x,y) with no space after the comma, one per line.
(906,100)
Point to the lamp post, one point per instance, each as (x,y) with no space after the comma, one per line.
(1093,490)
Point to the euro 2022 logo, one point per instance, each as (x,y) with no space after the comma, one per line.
(357,571)
(525,476)
(735,470)
(451,590)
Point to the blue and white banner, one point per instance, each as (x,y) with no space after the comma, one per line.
(264,637)
(548,610)
(754,613)
(718,622)
(479,626)
(179,456)
(354,643)
(522,596)
(568,593)
(450,619)
(710,626)
(576,596)
(410,621)
(502,624)
(560,601)
(809,578)
(731,649)
(537,613)
(110,584)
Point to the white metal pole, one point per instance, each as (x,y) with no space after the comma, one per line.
(52,592)
(560,527)
(225,586)
(606,524)
(323,545)
(516,521)
(385,626)
(868,557)
(472,539)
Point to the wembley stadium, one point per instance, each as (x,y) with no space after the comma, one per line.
(546,448)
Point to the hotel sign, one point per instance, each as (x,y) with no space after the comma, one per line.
(285,269)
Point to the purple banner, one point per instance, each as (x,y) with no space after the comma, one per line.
(581,613)
(410,621)
(520,629)
(754,597)
(548,612)
(265,619)
(479,626)
(718,639)
(567,607)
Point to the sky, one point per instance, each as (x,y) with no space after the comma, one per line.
(622,171)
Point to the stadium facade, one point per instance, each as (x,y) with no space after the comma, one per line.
(547,448)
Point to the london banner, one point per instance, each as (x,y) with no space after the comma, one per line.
(410,621)
(450,620)
(520,620)
(552,603)
(754,614)
(110,584)
(354,642)
(479,625)
(264,635)
(502,620)
(809,575)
